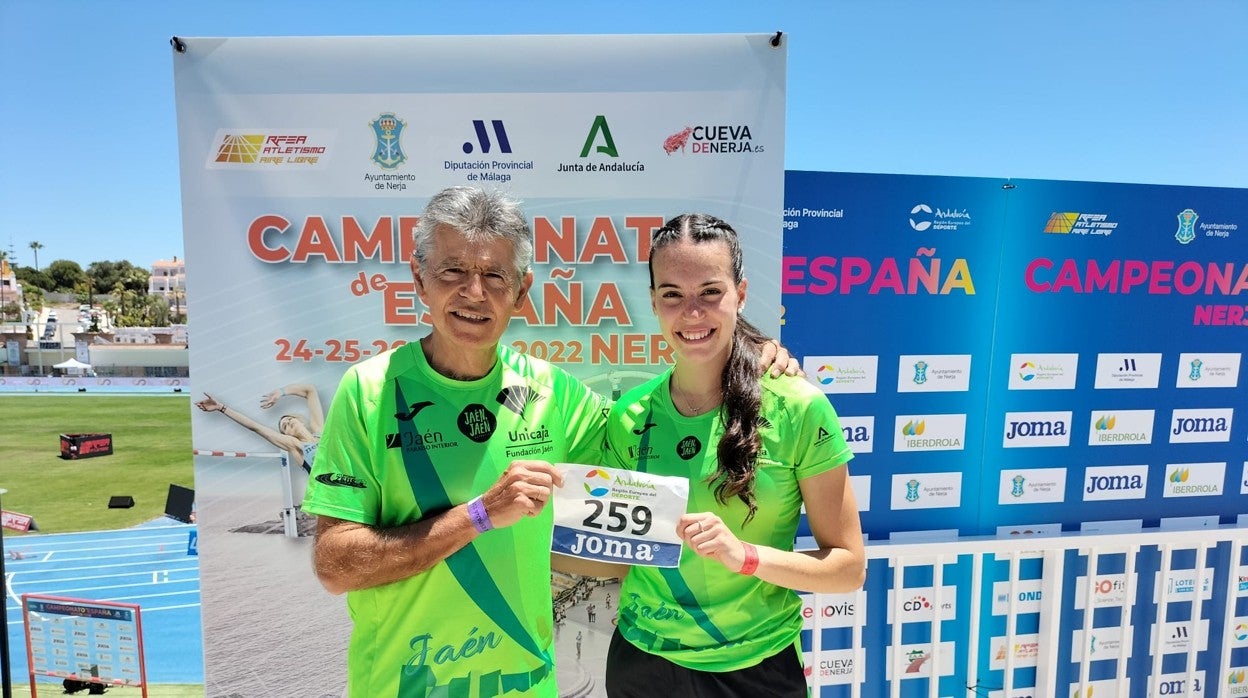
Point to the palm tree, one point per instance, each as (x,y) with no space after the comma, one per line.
(36,246)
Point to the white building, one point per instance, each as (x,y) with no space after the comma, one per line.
(167,277)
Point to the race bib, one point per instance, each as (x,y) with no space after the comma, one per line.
(620,516)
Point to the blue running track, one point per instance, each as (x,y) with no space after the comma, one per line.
(148,566)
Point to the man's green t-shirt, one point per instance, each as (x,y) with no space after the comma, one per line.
(401,443)
(701,615)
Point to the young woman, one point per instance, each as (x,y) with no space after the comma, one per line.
(726,622)
(294,435)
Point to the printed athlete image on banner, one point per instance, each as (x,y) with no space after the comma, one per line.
(300,192)
(616,515)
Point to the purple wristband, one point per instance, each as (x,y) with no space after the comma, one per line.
(480,519)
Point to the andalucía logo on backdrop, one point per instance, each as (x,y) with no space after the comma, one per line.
(1043,371)
(842,374)
(599,144)
(922,218)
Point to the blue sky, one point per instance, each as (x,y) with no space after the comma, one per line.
(1110,90)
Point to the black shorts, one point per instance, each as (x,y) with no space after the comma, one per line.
(634,673)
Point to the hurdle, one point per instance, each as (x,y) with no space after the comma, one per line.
(290,525)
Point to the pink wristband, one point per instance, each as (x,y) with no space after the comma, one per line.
(480,519)
(750,566)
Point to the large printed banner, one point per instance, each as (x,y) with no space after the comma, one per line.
(1025,356)
(305,163)
(1020,357)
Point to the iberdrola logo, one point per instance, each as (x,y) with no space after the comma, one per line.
(1179,475)
(597,483)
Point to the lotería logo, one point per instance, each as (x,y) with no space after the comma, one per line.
(1187,226)
(483,137)
(597,483)
(920,372)
(388,149)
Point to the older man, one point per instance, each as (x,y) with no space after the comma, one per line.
(438,534)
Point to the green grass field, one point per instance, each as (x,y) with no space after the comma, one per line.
(151,450)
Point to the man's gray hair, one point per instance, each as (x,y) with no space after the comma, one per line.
(479,215)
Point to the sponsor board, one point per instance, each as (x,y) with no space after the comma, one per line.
(1207,371)
(837,375)
(1194,479)
(929,432)
(926,490)
(1027,596)
(918,604)
(1127,371)
(1036,429)
(1203,425)
(1107,482)
(1120,427)
(1032,486)
(934,373)
(1043,371)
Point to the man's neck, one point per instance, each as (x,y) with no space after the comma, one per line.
(457,365)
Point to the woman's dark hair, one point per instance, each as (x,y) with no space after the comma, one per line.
(739,447)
